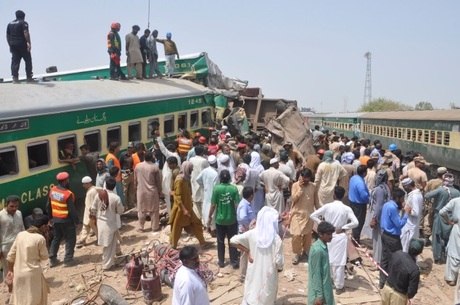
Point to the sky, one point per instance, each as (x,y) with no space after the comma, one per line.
(309,51)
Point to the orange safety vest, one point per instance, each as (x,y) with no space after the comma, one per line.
(136,160)
(58,198)
(116,163)
(184,145)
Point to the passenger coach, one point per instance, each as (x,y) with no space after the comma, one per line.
(38,120)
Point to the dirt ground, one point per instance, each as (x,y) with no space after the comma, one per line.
(67,283)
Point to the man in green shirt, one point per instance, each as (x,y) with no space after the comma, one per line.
(224,201)
(319,273)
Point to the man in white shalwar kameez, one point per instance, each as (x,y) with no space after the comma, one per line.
(24,265)
(274,182)
(265,252)
(414,199)
(342,218)
(199,164)
(207,179)
(106,206)
(167,172)
(329,172)
(189,287)
(88,223)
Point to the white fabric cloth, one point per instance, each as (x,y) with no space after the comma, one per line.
(337,274)
(274,181)
(167,173)
(170,64)
(189,288)
(411,228)
(261,283)
(267,227)
(207,179)
(91,193)
(199,164)
(287,170)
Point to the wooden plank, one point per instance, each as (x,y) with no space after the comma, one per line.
(358,300)
(221,291)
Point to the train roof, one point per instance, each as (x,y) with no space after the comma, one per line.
(429,115)
(24,100)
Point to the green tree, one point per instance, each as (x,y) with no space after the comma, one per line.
(382,104)
(424,106)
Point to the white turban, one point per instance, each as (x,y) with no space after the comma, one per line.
(266,226)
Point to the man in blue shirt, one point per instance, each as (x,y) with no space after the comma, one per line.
(358,194)
(391,224)
(245,216)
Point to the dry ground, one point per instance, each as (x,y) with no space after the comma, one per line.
(66,282)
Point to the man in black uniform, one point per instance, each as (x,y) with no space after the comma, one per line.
(18,37)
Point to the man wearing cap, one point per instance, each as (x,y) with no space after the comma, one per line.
(329,172)
(387,162)
(441,229)
(24,258)
(427,220)
(347,160)
(133,52)
(127,176)
(274,181)
(199,164)
(89,222)
(114,50)
(207,179)
(170,53)
(403,275)
(10,225)
(61,206)
(414,200)
(391,223)
(417,174)
(18,38)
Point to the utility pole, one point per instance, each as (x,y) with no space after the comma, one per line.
(368,81)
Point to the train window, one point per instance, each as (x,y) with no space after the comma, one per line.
(432,137)
(93,140)
(134,132)
(392,132)
(399,133)
(169,125)
(446,138)
(113,134)
(194,120)
(419,135)
(439,137)
(407,134)
(414,135)
(152,125)
(67,147)
(182,121)
(38,154)
(426,137)
(206,118)
(8,161)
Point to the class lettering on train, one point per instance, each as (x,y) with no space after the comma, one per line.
(31,195)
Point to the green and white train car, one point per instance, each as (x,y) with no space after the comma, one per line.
(38,119)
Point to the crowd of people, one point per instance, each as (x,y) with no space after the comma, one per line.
(248,197)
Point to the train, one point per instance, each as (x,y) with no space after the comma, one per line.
(433,133)
(39,119)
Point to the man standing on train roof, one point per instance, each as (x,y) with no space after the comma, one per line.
(61,206)
(18,37)
(144,51)
(170,53)
(133,52)
(114,50)
(10,225)
(153,55)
